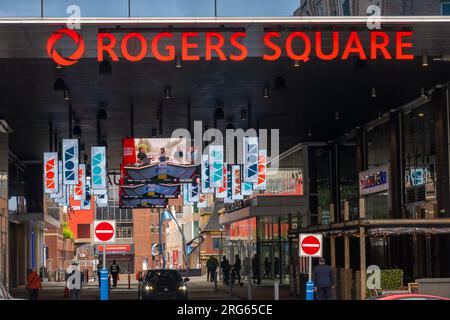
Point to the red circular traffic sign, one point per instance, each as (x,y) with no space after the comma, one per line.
(310,245)
(104,231)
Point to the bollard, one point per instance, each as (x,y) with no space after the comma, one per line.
(129,281)
(104,286)
(276,286)
(310,290)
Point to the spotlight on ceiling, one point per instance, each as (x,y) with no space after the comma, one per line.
(309,133)
(424,59)
(178,62)
(243,114)
(59,85)
(374,92)
(101,114)
(296,64)
(167,93)
(58,66)
(230,126)
(105,68)
(76,131)
(67,95)
(380,115)
(337,115)
(266,92)
(423,93)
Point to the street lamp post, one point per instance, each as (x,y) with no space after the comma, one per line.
(220,249)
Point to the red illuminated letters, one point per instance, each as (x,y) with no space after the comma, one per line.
(170,48)
(143,46)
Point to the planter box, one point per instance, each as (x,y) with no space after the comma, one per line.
(435,286)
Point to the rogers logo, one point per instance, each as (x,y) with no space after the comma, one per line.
(54,38)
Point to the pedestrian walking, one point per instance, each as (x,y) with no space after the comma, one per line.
(114,269)
(237,268)
(225,266)
(211,267)
(267,268)
(34,284)
(323,280)
(255,268)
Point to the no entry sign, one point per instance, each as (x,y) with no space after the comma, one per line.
(104,231)
(310,245)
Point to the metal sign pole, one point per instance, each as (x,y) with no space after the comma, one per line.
(310,283)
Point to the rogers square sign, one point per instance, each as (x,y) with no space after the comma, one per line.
(108,46)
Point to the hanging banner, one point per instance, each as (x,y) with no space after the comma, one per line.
(51,173)
(194,192)
(60,184)
(247,188)
(101,199)
(185,190)
(221,192)
(64,200)
(206,181)
(86,203)
(262,171)
(70,161)
(216,166)
(236,183)
(250,159)
(98,165)
(202,202)
(79,191)
(229,192)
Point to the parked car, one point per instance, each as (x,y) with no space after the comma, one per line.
(409,297)
(163,284)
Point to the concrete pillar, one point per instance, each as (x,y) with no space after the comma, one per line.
(362,255)
(319,216)
(332,215)
(362,208)
(333,251)
(346,252)
(346,210)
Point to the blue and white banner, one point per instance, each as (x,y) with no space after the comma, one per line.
(205,176)
(60,193)
(51,173)
(229,197)
(221,192)
(101,199)
(86,203)
(185,190)
(262,171)
(70,161)
(216,166)
(98,170)
(64,200)
(236,184)
(194,191)
(247,188)
(79,190)
(250,159)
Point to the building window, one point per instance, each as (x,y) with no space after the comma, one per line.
(216,243)
(445,8)
(83,231)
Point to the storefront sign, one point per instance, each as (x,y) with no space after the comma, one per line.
(119,249)
(243,230)
(296,45)
(51,172)
(374,180)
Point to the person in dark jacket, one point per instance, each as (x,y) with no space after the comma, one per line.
(323,280)
(225,266)
(237,268)
(115,270)
(255,269)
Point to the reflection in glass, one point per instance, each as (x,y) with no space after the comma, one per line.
(172,8)
(20,8)
(256,8)
(89,8)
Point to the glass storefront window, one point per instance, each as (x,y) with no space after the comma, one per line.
(378,146)
(88,8)
(377,206)
(256,8)
(348,180)
(172,8)
(20,8)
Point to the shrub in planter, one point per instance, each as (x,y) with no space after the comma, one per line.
(391,279)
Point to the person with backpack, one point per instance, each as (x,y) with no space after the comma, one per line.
(34,284)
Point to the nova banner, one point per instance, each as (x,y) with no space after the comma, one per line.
(194,192)
(205,176)
(86,203)
(229,192)
(79,191)
(70,161)
(60,193)
(185,190)
(202,202)
(51,173)
(250,159)
(236,182)
(262,171)
(98,165)
(221,192)
(216,166)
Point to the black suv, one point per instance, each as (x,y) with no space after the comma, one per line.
(163,284)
